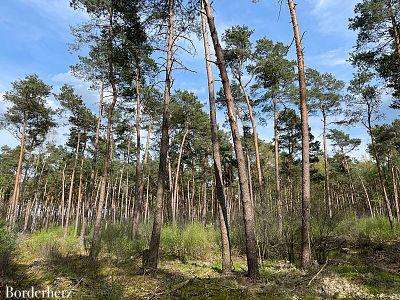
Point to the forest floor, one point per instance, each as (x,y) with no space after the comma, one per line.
(369,271)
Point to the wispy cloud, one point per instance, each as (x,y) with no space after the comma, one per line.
(333,58)
(58,10)
(81,87)
(332,15)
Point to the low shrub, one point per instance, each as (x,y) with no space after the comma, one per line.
(116,240)
(46,244)
(193,241)
(375,229)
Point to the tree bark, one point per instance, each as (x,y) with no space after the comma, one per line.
(277,172)
(326,166)
(71,185)
(150,259)
(178,167)
(305,255)
(255,138)
(395,191)
(248,210)
(139,176)
(80,194)
(94,248)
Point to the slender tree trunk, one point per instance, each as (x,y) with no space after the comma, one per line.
(248,210)
(326,166)
(366,196)
(71,186)
(255,137)
(277,171)
(17,182)
(63,195)
(150,259)
(139,176)
(78,205)
(305,255)
(178,167)
(395,192)
(94,248)
(379,169)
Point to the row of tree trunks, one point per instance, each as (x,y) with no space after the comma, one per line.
(248,210)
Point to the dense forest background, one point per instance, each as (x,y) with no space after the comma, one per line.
(155,173)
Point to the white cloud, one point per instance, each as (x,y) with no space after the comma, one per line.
(332,15)
(333,58)
(81,87)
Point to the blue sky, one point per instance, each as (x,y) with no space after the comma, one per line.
(35,36)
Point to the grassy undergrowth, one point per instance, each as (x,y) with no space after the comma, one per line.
(190,266)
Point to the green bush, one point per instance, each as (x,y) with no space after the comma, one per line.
(7,248)
(171,242)
(191,242)
(116,240)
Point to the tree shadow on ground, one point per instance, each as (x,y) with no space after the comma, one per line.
(82,276)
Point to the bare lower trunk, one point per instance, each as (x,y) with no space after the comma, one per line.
(255,138)
(395,192)
(71,185)
(305,255)
(248,210)
(277,172)
(139,170)
(366,196)
(150,259)
(326,168)
(175,189)
(379,169)
(80,194)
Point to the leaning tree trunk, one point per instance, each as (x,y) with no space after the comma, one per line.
(248,209)
(150,257)
(174,199)
(305,254)
(255,138)
(13,211)
(139,176)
